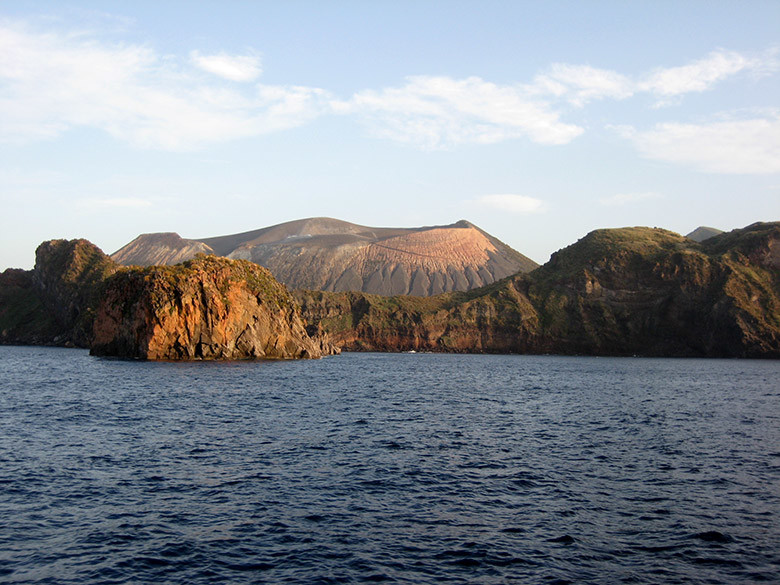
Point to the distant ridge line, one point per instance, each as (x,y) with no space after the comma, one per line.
(337,255)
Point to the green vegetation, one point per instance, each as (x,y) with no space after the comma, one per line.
(743,241)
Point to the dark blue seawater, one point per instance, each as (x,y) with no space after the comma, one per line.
(369,468)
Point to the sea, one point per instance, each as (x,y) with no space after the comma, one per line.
(388,468)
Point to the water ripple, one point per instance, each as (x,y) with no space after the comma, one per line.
(374,468)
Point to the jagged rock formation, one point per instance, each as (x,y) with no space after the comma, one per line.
(702,233)
(23,315)
(53,303)
(632,291)
(206,308)
(328,254)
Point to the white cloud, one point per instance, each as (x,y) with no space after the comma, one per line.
(436,112)
(582,83)
(520,204)
(50,83)
(740,147)
(232,67)
(698,76)
(53,82)
(625,198)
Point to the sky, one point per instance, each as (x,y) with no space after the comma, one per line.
(537,121)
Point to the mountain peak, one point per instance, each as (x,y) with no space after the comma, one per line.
(702,233)
(323,253)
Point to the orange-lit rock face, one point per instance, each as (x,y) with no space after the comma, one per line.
(423,263)
(434,249)
(208,309)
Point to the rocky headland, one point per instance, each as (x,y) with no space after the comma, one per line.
(205,308)
(54,303)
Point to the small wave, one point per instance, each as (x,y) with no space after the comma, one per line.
(565,539)
(713,536)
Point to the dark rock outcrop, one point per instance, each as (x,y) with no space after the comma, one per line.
(328,254)
(53,304)
(206,308)
(23,315)
(69,275)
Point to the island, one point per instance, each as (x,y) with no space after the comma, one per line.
(623,292)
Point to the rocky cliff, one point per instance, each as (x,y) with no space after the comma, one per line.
(206,308)
(328,254)
(54,302)
(633,291)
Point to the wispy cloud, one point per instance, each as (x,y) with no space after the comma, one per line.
(440,112)
(232,67)
(625,198)
(519,204)
(750,146)
(698,76)
(54,82)
(580,84)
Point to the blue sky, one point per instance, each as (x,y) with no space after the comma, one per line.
(537,121)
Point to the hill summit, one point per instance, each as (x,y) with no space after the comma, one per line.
(703,232)
(329,254)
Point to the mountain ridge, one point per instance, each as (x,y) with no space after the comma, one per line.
(703,232)
(323,253)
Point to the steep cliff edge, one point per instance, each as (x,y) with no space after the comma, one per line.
(648,291)
(209,308)
(630,291)
(206,308)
